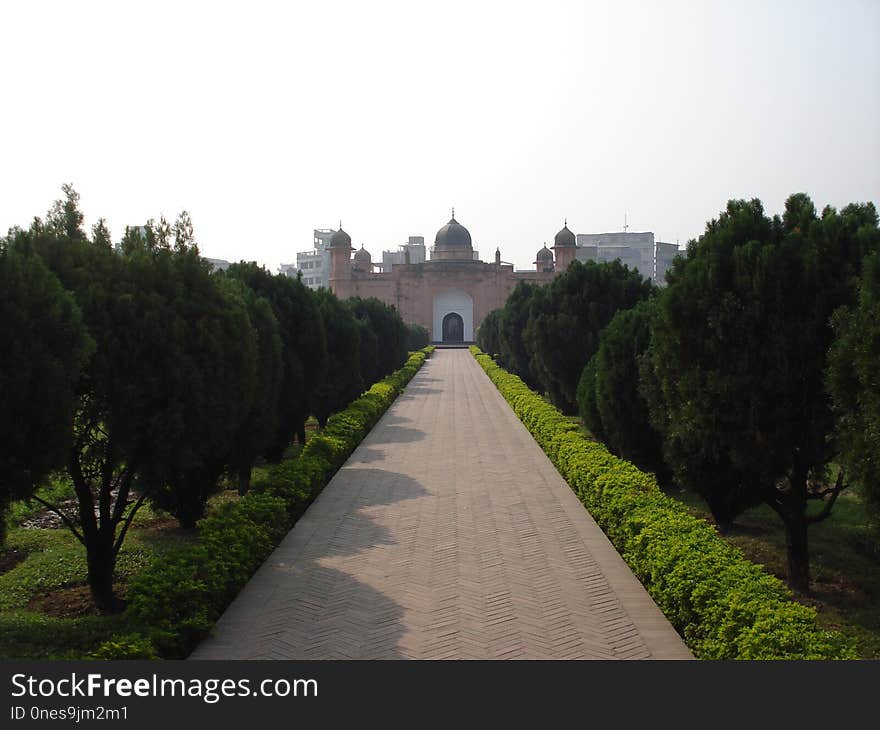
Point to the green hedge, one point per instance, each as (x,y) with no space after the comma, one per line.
(724,606)
(180,596)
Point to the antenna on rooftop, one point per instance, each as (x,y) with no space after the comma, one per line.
(625,224)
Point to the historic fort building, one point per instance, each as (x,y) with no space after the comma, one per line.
(450,293)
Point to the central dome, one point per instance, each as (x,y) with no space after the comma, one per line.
(453,235)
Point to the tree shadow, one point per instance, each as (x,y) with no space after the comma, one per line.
(417,391)
(313,598)
(366,455)
(393,419)
(391,434)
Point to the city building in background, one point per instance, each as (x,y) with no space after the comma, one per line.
(217,264)
(411,252)
(666,253)
(314,265)
(638,251)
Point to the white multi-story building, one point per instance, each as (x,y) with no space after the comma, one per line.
(638,251)
(411,252)
(314,265)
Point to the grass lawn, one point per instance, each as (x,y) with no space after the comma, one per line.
(844,563)
(45,606)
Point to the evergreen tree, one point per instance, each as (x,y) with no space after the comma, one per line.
(304,348)
(45,345)
(342,382)
(416,337)
(566,317)
(488,334)
(255,432)
(854,382)
(739,351)
(620,407)
(215,348)
(390,333)
(512,323)
(163,390)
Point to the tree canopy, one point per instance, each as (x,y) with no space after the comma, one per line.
(45,345)
(854,383)
(342,382)
(566,317)
(304,348)
(512,323)
(216,363)
(488,334)
(383,323)
(620,411)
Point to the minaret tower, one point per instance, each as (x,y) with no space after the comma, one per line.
(340,263)
(565,248)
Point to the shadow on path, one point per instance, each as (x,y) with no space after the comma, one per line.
(298,606)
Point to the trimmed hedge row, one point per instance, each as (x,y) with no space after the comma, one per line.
(180,596)
(725,606)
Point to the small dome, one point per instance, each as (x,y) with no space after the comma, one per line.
(565,237)
(340,239)
(453,235)
(362,256)
(545,254)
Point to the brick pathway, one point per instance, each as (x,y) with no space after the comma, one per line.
(447,534)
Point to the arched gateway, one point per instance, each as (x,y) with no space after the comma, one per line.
(453,319)
(453,328)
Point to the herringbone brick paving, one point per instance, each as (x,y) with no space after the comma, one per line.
(448,534)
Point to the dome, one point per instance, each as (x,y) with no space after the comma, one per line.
(565,237)
(545,254)
(340,239)
(453,235)
(362,256)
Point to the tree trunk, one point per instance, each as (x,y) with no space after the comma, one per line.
(101,565)
(190,507)
(244,481)
(4,507)
(794,517)
(798,552)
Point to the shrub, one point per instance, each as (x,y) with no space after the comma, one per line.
(126,646)
(724,606)
(417,337)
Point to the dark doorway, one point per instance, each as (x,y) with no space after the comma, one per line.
(453,328)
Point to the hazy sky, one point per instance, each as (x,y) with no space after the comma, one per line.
(266,120)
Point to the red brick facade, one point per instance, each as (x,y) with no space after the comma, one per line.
(413,288)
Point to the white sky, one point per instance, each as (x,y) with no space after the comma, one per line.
(266,120)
